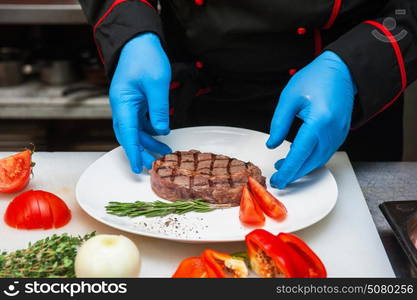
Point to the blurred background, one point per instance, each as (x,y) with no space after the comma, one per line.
(53,91)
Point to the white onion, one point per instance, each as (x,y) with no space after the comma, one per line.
(107,255)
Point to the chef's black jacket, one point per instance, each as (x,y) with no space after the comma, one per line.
(231,58)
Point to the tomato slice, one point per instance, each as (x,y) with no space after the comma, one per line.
(17,220)
(44,210)
(250,214)
(15,172)
(35,210)
(271,206)
(10,216)
(192,267)
(60,212)
(33,218)
(316,268)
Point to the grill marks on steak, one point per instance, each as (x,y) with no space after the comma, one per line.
(179,167)
(187,175)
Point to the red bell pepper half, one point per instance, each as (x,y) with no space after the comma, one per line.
(211,264)
(223,265)
(192,267)
(270,257)
(316,267)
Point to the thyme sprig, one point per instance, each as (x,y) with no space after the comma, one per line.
(51,257)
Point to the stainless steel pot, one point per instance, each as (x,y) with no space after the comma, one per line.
(11,66)
(59,72)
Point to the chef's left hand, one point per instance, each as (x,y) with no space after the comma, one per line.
(322,95)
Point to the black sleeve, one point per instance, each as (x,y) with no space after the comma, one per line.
(117,21)
(382,59)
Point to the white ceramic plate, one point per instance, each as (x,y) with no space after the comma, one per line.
(308,200)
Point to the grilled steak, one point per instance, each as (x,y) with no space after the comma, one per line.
(188,175)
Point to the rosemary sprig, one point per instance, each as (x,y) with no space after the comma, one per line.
(159,208)
(50,257)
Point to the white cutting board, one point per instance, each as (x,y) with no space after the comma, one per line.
(346,240)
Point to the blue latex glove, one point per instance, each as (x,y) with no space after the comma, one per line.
(140,85)
(322,95)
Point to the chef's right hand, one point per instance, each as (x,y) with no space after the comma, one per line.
(140,85)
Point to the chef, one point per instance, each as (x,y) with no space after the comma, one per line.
(315,69)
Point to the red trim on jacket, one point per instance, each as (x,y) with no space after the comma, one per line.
(335,12)
(318,44)
(400,61)
(146,2)
(202,91)
(174,84)
(114,4)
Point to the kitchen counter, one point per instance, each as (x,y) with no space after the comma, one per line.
(41,12)
(346,240)
(388,181)
(34,100)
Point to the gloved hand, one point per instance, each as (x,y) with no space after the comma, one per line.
(322,95)
(140,85)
